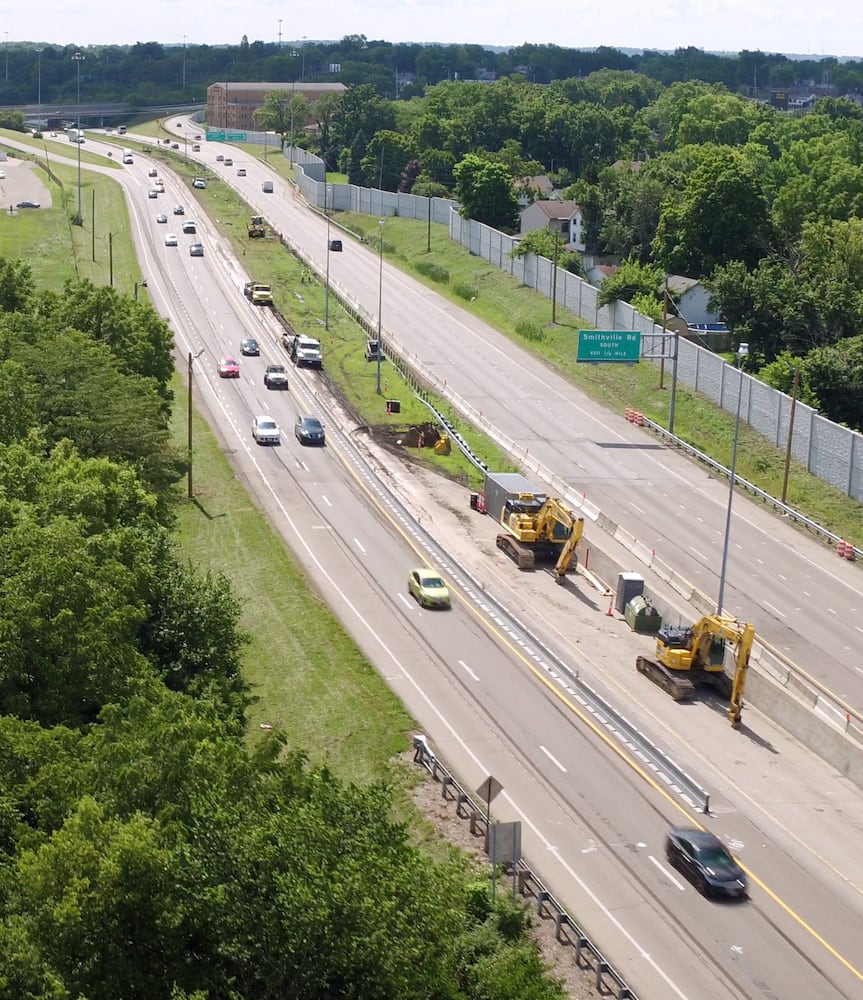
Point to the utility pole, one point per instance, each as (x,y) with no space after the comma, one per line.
(79,58)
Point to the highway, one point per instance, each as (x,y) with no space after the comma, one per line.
(593,818)
(800,596)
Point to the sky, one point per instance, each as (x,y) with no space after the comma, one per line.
(794,27)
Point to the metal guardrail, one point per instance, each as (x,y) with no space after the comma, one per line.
(766,498)
(567,932)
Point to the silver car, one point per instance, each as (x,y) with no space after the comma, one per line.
(265,430)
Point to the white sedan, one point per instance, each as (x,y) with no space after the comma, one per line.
(171,240)
(265,430)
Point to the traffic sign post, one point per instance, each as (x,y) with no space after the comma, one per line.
(608,346)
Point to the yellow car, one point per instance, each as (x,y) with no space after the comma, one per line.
(426,586)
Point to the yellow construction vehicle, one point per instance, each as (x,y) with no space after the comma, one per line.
(695,654)
(257,229)
(539,528)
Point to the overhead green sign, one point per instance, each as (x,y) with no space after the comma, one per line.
(236,136)
(604,346)
(215,136)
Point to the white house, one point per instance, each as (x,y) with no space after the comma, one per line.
(690,298)
(565,217)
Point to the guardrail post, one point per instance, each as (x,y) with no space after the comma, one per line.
(706,804)
(601,968)
(541,897)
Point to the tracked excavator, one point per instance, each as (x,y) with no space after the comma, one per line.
(695,654)
(539,528)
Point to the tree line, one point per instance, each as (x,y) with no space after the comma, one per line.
(147,849)
(150,73)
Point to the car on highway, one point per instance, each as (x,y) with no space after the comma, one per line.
(175,145)
(219,158)
(241,172)
(309,430)
(336,246)
(196,148)
(152,193)
(190,227)
(161,217)
(27,204)
(152,172)
(229,368)
(427,588)
(228,161)
(179,210)
(171,240)
(196,250)
(265,430)
(703,859)
(250,347)
(275,377)
(199,183)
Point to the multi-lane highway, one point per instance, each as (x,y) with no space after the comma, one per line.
(594,817)
(800,596)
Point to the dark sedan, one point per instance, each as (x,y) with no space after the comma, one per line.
(309,430)
(250,347)
(27,204)
(703,859)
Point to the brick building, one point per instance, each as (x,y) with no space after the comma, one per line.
(230,105)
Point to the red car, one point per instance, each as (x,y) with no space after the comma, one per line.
(228,368)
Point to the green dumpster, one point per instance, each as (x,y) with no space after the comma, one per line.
(642,616)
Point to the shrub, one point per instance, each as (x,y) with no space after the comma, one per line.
(465,291)
(529,331)
(434,271)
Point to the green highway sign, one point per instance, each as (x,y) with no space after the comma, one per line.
(221,135)
(616,346)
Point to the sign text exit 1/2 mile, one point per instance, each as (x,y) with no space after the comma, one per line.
(595,346)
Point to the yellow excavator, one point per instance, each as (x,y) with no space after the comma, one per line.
(539,528)
(695,654)
(257,229)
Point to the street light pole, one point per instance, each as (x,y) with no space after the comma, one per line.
(380,304)
(327,197)
(39,84)
(794,393)
(293,85)
(79,58)
(742,351)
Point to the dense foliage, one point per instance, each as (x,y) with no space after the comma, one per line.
(145,850)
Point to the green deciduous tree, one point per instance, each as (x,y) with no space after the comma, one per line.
(486,193)
(722,215)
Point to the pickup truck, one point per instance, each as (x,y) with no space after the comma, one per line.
(275,377)
(304,351)
(260,295)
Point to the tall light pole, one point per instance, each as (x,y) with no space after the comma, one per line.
(794,393)
(79,58)
(39,84)
(742,351)
(380,303)
(327,202)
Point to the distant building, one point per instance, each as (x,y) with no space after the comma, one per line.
(691,300)
(528,189)
(564,217)
(232,105)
